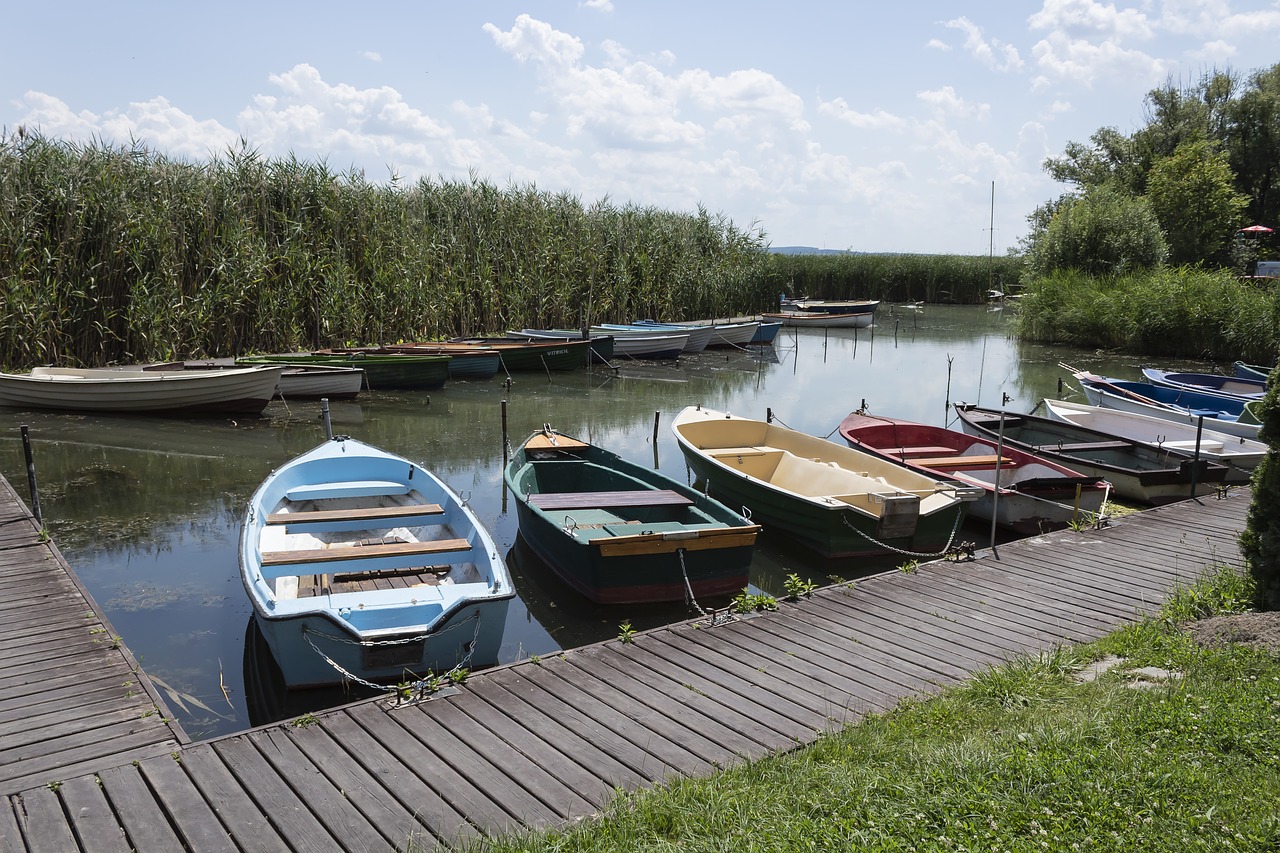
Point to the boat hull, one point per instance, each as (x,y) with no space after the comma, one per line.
(382,372)
(1137,472)
(245,391)
(540,356)
(814,320)
(620,533)
(1023,492)
(361,565)
(1241,455)
(778,476)
(1141,398)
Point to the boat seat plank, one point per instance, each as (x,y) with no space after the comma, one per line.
(962,462)
(372,513)
(917,450)
(542,441)
(350,489)
(596,500)
(1081,446)
(361,552)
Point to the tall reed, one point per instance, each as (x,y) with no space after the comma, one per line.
(893,277)
(112,255)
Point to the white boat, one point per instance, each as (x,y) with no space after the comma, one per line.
(699,335)
(363,565)
(654,346)
(818,320)
(1219,413)
(297,381)
(825,306)
(242,391)
(1241,455)
(733,334)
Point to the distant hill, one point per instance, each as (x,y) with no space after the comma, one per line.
(810,250)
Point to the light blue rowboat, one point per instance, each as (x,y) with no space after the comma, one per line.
(362,565)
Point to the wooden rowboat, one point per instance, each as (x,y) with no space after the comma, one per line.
(1020,490)
(621,533)
(361,564)
(243,391)
(836,500)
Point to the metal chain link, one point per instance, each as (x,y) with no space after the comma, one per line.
(844,518)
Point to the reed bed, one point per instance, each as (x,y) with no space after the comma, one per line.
(964,279)
(119,254)
(1176,312)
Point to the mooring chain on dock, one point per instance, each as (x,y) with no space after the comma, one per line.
(419,683)
(945,550)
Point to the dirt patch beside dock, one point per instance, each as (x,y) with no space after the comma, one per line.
(1254,629)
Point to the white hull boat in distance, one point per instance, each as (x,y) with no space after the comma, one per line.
(297,381)
(1241,455)
(818,320)
(362,565)
(133,391)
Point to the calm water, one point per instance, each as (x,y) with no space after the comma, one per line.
(147,511)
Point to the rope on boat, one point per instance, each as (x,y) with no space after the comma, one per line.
(689,600)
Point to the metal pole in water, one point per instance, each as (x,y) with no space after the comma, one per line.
(1195,460)
(31,475)
(995,496)
(324,416)
(656,416)
(504,434)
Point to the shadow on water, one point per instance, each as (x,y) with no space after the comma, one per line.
(148,510)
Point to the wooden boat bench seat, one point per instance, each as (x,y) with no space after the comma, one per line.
(913,452)
(396,512)
(964,462)
(350,489)
(595,500)
(347,558)
(1083,446)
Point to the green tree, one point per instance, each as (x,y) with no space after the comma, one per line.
(1252,139)
(1260,541)
(1193,196)
(1103,231)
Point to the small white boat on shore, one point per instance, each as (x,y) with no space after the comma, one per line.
(819,320)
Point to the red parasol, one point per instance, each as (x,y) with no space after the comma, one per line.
(1256,230)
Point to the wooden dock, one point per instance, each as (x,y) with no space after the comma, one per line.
(538,744)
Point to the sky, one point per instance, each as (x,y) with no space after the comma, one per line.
(876,127)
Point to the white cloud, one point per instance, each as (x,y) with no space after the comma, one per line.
(947,102)
(1063,58)
(533,40)
(992,53)
(372,55)
(878,120)
(1090,18)
(598,5)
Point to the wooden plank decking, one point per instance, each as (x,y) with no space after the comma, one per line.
(71,700)
(539,744)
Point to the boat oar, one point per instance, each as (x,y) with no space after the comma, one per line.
(1094,379)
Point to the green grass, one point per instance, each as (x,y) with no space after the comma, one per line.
(1021,757)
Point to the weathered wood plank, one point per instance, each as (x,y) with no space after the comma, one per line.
(225,796)
(43,822)
(192,818)
(135,804)
(91,817)
(394,770)
(332,810)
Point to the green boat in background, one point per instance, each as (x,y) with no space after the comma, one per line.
(389,372)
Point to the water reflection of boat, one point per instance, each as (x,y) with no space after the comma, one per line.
(269,700)
(573,620)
